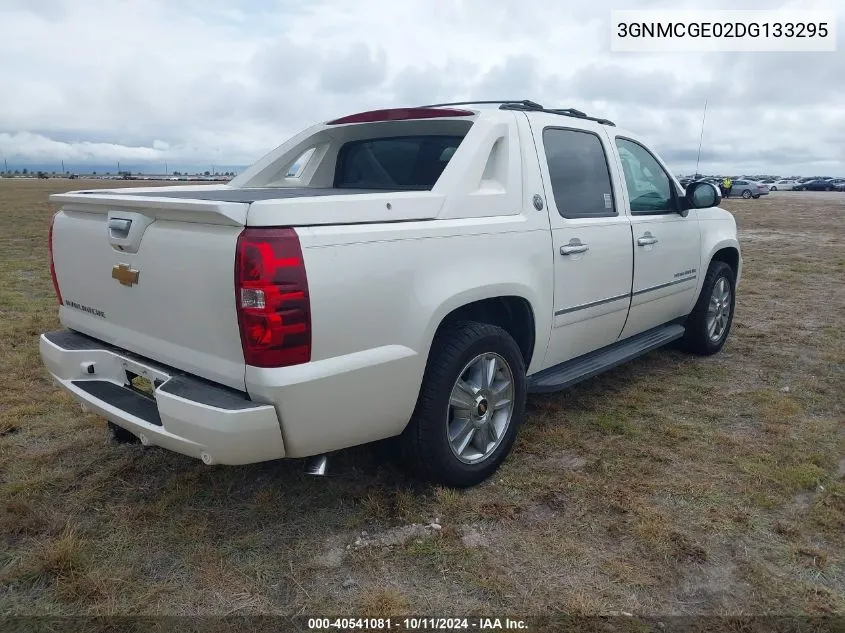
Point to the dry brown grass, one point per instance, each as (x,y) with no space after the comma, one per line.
(672,485)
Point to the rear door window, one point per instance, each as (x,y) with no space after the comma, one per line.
(407,162)
(579,174)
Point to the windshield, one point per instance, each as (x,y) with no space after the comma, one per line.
(406,162)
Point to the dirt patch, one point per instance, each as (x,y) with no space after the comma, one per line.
(474,536)
(802,501)
(565,460)
(333,555)
(713,587)
(397,536)
(542,512)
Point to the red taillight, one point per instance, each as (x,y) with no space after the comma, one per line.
(52,263)
(400,114)
(271,294)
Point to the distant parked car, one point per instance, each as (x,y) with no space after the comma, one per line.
(815,185)
(838,184)
(749,189)
(783,185)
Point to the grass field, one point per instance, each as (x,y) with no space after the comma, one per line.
(672,485)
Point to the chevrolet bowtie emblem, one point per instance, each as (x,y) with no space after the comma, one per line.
(124,274)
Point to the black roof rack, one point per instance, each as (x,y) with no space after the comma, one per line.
(527,105)
(577,114)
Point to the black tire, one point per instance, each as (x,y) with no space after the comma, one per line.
(746,194)
(121,435)
(755,197)
(696,338)
(773,189)
(424,443)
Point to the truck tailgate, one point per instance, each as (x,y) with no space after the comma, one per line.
(152,269)
(154,277)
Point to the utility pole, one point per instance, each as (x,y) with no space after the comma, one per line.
(6,165)
(63,167)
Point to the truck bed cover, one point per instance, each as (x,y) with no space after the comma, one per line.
(241,195)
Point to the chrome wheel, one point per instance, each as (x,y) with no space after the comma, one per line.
(480,408)
(719,310)
(746,194)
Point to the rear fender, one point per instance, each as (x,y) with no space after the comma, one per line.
(458,300)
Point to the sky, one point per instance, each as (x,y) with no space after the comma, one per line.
(202,82)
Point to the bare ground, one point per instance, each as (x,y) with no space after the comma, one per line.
(673,485)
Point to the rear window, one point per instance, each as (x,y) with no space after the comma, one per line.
(404,162)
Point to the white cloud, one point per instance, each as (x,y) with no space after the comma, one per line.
(214,81)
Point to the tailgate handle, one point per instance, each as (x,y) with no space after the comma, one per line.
(119,228)
(126,229)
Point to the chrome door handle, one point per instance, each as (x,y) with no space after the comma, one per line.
(646,240)
(572,249)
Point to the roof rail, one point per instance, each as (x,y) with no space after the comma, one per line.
(572,112)
(527,105)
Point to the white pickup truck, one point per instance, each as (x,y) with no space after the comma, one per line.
(409,273)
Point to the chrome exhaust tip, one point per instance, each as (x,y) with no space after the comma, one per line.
(317,465)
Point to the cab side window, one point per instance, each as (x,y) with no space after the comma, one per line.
(580,176)
(649,187)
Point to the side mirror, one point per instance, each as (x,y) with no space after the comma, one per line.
(700,195)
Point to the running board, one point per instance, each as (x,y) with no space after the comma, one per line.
(572,371)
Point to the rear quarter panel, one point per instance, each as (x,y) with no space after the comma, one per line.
(378,294)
